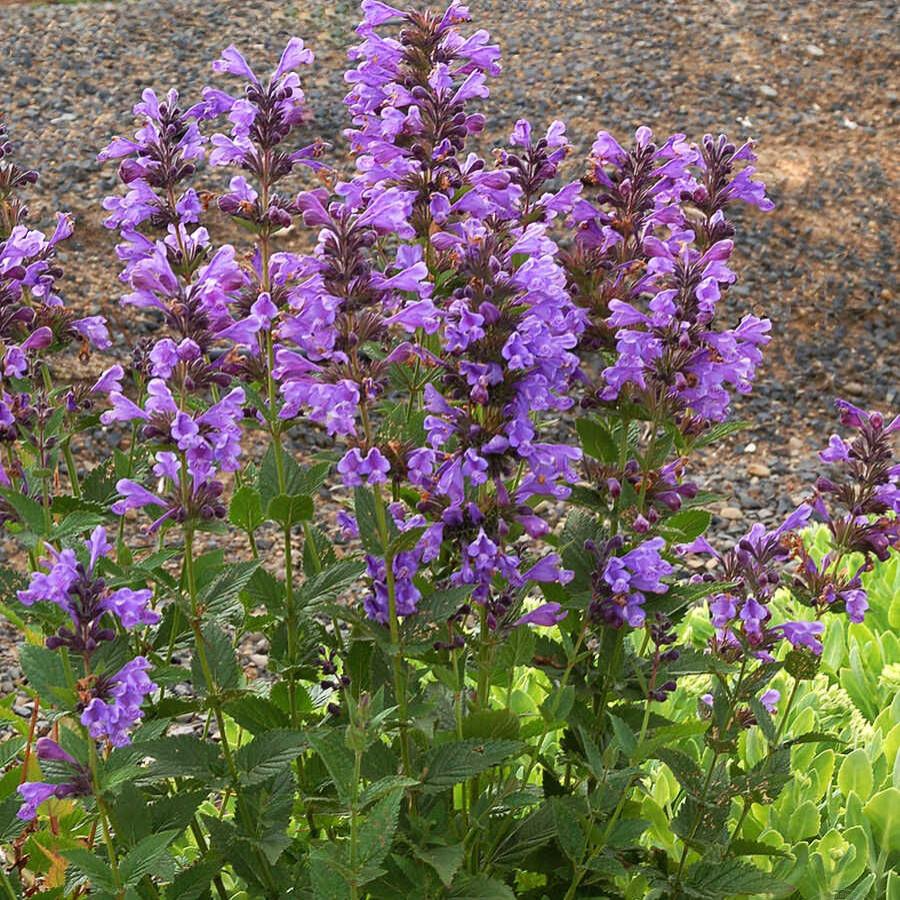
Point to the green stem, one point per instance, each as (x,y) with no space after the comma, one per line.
(104,818)
(212,697)
(696,824)
(71,468)
(7,885)
(354,825)
(197,831)
(394,626)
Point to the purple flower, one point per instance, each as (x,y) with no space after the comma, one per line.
(803,634)
(356,469)
(115,707)
(545,616)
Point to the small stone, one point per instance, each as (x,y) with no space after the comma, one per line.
(768,91)
(731,512)
(814,50)
(759,469)
(854,388)
(259,660)
(750,448)
(849,123)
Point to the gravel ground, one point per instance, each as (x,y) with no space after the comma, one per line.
(812,81)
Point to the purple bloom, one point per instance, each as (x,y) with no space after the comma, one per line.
(545,616)
(803,634)
(116,704)
(356,469)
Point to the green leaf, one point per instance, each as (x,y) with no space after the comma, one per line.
(444,860)
(624,735)
(245,510)
(685,770)
(331,581)
(29,511)
(480,887)
(367,520)
(855,774)
(883,814)
(718,432)
(596,441)
(689,523)
(726,877)
(451,763)
(289,509)
(193,882)
(182,756)
(93,867)
(219,598)
(10,824)
(223,667)
(558,704)
(329,872)
(258,714)
(377,833)
(267,754)
(568,828)
(337,758)
(298,480)
(491,723)
(149,855)
(77,523)
(45,671)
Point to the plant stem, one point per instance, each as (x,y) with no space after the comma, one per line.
(212,695)
(71,468)
(104,817)
(394,626)
(354,824)
(696,825)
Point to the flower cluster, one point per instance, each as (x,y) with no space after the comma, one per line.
(651,264)
(33,317)
(621,582)
(408,101)
(109,705)
(85,597)
(77,781)
(864,483)
(741,615)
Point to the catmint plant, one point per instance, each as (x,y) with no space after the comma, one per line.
(504,657)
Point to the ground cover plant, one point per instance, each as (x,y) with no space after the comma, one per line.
(515,667)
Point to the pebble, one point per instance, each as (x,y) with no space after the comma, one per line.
(731,512)
(759,469)
(768,91)
(814,50)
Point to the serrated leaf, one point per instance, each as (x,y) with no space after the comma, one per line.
(29,511)
(721,878)
(289,509)
(267,754)
(182,756)
(480,887)
(95,869)
(220,657)
(719,432)
(45,671)
(219,597)
(377,833)
(193,882)
(596,440)
(688,523)
(149,855)
(444,860)
(245,510)
(451,763)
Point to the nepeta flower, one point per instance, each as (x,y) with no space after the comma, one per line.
(621,583)
(112,704)
(85,597)
(34,793)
